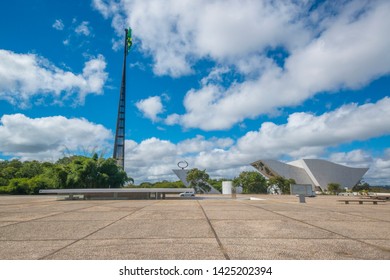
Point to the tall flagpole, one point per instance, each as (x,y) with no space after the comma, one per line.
(119,146)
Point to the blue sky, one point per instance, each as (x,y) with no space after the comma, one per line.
(219,84)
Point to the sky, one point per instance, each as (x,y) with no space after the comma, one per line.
(217,83)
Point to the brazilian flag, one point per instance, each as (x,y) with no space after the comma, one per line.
(129,40)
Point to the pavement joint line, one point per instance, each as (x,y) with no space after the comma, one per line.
(351,214)
(341,213)
(178,238)
(56,251)
(344,236)
(44,217)
(334,211)
(222,248)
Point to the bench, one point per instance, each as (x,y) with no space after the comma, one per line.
(347,201)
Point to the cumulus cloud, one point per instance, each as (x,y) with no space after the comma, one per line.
(190,30)
(153,159)
(379,171)
(25,76)
(303,136)
(49,138)
(355,158)
(324,48)
(151,107)
(347,123)
(348,54)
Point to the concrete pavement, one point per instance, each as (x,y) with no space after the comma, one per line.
(207,227)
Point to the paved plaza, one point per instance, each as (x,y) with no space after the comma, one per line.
(203,228)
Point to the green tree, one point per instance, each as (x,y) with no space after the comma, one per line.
(361,186)
(251,182)
(19,186)
(83,172)
(334,188)
(9,172)
(110,175)
(69,172)
(146,185)
(3,181)
(29,169)
(167,184)
(282,183)
(198,180)
(39,182)
(217,184)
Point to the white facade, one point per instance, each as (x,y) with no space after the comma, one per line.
(317,172)
(227,187)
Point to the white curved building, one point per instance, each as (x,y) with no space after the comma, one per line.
(317,172)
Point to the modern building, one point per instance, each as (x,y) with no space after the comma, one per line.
(316,172)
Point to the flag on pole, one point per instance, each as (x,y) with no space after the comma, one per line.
(129,40)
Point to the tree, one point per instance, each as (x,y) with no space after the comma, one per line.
(282,183)
(166,184)
(69,172)
(361,186)
(198,180)
(110,174)
(251,182)
(29,169)
(217,183)
(334,188)
(19,186)
(39,182)
(84,172)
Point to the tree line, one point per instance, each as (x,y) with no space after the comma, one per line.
(250,181)
(28,177)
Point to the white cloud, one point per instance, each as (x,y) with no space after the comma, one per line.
(153,159)
(303,136)
(380,170)
(49,138)
(83,28)
(25,76)
(177,33)
(355,158)
(172,119)
(349,54)
(332,47)
(151,107)
(58,24)
(200,144)
(106,8)
(379,167)
(304,130)
(150,160)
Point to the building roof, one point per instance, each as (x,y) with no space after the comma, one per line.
(317,172)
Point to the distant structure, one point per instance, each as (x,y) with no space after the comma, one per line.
(119,145)
(182,175)
(316,172)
